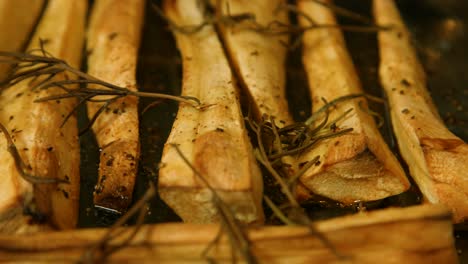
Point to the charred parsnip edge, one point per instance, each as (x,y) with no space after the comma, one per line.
(50,151)
(374,237)
(113,42)
(17,20)
(437,159)
(357,166)
(213,139)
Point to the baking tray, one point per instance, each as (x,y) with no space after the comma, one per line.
(439,30)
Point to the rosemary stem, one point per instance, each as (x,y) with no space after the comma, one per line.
(277,212)
(182,99)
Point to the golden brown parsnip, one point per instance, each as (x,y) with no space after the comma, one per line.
(214,138)
(357,166)
(113,42)
(437,159)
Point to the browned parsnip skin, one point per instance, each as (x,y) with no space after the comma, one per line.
(17,20)
(437,159)
(357,166)
(370,237)
(50,150)
(259,59)
(113,42)
(213,138)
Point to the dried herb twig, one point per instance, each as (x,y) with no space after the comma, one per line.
(275,143)
(247,21)
(90,89)
(344,12)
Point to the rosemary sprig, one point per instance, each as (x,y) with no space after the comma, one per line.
(213,15)
(344,12)
(274,143)
(338,100)
(85,88)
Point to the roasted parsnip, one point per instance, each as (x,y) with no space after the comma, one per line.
(113,42)
(437,159)
(371,237)
(213,138)
(17,20)
(48,150)
(358,165)
(258,58)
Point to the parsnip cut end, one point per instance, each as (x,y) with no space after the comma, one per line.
(361,178)
(449,170)
(195,205)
